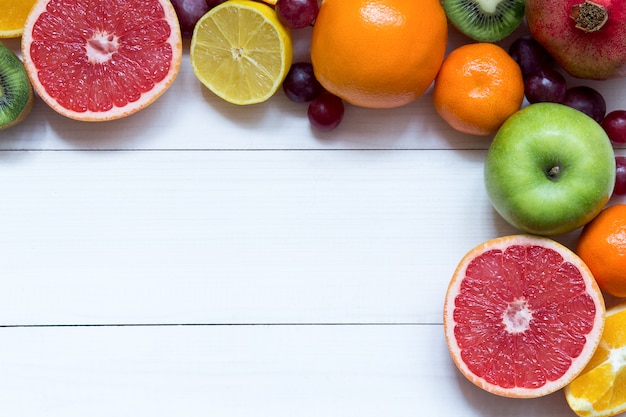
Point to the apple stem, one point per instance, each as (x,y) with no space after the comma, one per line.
(553,172)
(589,16)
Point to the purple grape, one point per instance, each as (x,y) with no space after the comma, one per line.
(300,84)
(213,3)
(587,100)
(614,125)
(620,176)
(189,12)
(545,85)
(297,14)
(326,111)
(530,55)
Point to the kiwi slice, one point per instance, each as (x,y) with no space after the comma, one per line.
(16,91)
(485,20)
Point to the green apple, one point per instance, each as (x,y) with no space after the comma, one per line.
(550,169)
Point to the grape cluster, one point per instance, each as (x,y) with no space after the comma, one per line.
(544,83)
(325,110)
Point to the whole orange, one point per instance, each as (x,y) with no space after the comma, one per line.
(602,246)
(378,53)
(478,87)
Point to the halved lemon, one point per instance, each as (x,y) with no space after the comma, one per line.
(241,52)
(13,16)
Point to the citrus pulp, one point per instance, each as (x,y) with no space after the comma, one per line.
(13,16)
(602,245)
(600,390)
(241,52)
(101,60)
(478,87)
(522,316)
(378,53)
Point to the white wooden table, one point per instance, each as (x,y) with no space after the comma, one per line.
(203,259)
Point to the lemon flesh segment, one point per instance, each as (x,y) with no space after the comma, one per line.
(241,52)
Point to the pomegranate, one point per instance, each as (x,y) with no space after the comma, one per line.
(587,38)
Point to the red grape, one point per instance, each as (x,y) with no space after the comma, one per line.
(213,3)
(297,14)
(188,13)
(620,176)
(530,55)
(300,84)
(545,85)
(326,111)
(614,125)
(587,100)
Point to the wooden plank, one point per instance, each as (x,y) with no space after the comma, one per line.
(242,371)
(178,237)
(223,237)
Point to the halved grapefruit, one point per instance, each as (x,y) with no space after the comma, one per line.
(98,60)
(523,315)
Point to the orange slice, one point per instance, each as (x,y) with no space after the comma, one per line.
(104,60)
(13,16)
(522,316)
(600,390)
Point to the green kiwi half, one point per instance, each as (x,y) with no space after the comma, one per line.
(16,91)
(485,20)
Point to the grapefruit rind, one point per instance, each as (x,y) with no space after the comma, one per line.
(147,97)
(577,364)
(598,379)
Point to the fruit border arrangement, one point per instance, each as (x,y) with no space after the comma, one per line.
(523,315)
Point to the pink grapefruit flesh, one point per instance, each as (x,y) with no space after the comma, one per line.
(104,59)
(522,316)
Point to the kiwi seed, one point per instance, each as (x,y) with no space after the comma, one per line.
(485,20)
(16,91)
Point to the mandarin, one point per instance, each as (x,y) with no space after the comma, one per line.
(478,87)
(602,245)
(378,53)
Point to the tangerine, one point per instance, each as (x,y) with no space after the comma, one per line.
(478,87)
(104,60)
(378,53)
(522,316)
(602,245)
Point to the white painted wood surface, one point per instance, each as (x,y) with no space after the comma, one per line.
(202,259)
